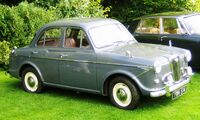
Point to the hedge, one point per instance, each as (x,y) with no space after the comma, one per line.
(19,23)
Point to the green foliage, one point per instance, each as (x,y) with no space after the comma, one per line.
(4,52)
(11,25)
(33,18)
(194,5)
(75,8)
(46,4)
(19,23)
(126,10)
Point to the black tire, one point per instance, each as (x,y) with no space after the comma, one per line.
(123,93)
(31,80)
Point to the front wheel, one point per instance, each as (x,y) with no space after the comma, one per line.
(123,93)
(31,80)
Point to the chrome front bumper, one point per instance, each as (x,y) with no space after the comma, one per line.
(185,80)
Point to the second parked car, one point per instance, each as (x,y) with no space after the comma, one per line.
(173,29)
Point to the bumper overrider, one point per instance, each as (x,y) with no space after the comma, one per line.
(185,79)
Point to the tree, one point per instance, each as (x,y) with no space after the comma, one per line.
(126,10)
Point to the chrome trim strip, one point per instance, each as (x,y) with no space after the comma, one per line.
(143,72)
(93,62)
(72,88)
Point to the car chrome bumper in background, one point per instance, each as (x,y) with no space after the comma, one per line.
(185,80)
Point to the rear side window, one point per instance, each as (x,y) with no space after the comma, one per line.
(170,26)
(50,38)
(149,26)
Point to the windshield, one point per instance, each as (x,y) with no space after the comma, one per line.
(192,23)
(111,34)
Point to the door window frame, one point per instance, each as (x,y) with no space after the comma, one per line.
(76,48)
(43,32)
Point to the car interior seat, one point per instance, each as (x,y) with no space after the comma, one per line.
(70,42)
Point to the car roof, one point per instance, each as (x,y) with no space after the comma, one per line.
(170,14)
(85,23)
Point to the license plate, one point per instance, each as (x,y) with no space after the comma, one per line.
(178,92)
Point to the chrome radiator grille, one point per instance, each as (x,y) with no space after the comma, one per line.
(176,68)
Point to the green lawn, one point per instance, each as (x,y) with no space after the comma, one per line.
(58,104)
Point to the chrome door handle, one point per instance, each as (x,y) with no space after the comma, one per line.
(161,38)
(63,55)
(34,52)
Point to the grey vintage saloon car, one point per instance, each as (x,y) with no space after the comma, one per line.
(100,56)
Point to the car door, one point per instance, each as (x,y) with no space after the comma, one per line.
(180,40)
(148,30)
(78,61)
(46,53)
(173,33)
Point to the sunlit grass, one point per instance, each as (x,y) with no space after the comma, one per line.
(59,104)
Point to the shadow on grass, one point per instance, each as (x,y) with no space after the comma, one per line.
(148,102)
(145,102)
(80,96)
(13,83)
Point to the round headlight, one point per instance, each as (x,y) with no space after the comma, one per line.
(157,67)
(188,55)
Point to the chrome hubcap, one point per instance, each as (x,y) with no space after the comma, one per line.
(31,81)
(122,94)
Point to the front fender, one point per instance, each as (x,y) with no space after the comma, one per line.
(134,77)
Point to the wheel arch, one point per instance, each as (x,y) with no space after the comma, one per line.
(130,76)
(28,64)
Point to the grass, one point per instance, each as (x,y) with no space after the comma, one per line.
(59,104)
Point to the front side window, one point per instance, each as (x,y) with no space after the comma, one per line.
(149,26)
(170,26)
(50,38)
